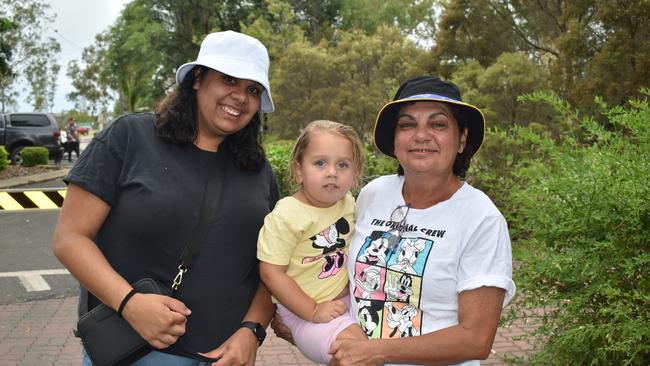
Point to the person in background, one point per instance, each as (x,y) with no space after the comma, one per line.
(73,138)
(62,141)
(303,245)
(135,195)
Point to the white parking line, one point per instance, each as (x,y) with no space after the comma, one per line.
(33,280)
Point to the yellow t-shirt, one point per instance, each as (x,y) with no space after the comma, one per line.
(312,241)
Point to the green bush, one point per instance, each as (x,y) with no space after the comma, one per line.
(491,169)
(582,211)
(4,158)
(376,165)
(34,155)
(278,153)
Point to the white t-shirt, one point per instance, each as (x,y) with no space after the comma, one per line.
(456,245)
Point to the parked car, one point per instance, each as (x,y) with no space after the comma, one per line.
(82,131)
(19,130)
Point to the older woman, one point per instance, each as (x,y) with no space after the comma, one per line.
(135,196)
(430,260)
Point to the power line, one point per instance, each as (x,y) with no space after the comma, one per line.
(65,39)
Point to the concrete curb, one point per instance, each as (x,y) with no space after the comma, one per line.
(20,181)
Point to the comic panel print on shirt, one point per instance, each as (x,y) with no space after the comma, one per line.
(332,247)
(388,285)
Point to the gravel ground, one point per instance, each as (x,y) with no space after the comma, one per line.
(13,171)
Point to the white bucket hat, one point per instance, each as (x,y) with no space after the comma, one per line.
(235,54)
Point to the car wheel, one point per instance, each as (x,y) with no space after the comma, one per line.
(16,157)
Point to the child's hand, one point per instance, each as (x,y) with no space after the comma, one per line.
(329,310)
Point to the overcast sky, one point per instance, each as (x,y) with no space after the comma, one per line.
(76,24)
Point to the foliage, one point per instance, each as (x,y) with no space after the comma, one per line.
(589,47)
(497,96)
(136,57)
(316,18)
(582,211)
(90,85)
(32,55)
(412,17)
(132,42)
(320,21)
(4,158)
(463,35)
(278,153)
(5,47)
(491,168)
(34,155)
(346,82)
(276,30)
(376,164)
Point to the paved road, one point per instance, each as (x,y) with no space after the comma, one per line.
(28,269)
(26,258)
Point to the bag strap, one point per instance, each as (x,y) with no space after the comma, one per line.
(210,203)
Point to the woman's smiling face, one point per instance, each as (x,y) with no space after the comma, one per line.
(427,138)
(225,104)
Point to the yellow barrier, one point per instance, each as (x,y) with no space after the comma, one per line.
(18,199)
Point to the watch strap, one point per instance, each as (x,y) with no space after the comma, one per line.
(257,328)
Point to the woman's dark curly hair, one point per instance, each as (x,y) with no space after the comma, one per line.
(176,122)
(462,162)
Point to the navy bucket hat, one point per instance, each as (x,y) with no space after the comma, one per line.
(429,88)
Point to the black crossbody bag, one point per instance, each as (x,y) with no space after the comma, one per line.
(109,340)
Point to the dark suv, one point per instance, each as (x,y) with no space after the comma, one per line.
(19,130)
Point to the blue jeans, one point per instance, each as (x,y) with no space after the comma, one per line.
(156,358)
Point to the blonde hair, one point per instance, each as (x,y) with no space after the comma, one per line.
(329,126)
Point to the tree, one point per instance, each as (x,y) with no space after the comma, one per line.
(590,47)
(497,88)
(91,89)
(620,64)
(32,56)
(132,57)
(413,18)
(471,30)
(297,98)
(150,39)
(347,82)
(41,75)
(583,218)
(318,19)
(5,47)
(276,29)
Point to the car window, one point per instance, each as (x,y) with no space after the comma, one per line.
(30,120)
(2,121)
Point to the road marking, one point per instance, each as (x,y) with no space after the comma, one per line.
(33,280)
(40,199)
(31,198)
(8,203)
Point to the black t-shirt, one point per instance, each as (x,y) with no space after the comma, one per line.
(155,190)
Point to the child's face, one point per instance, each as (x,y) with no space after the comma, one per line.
(326,171)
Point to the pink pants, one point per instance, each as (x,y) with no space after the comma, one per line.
(314,339)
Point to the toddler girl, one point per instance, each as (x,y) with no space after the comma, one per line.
(303,244)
